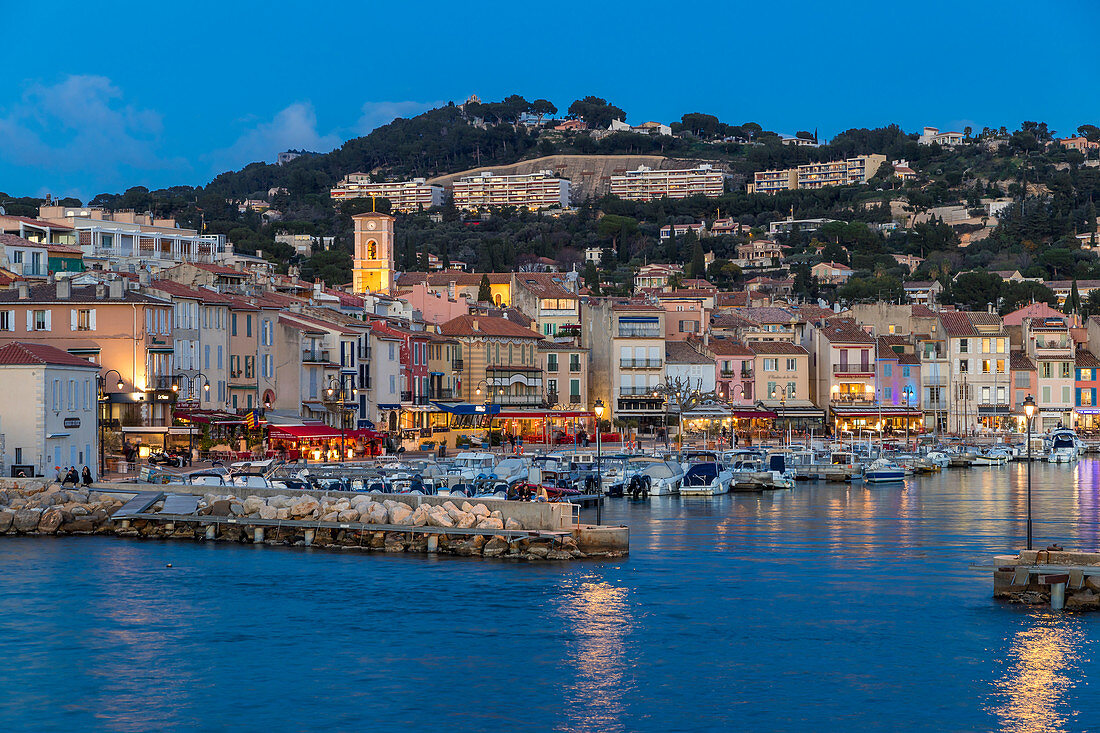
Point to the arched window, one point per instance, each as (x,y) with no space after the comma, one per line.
(372,249)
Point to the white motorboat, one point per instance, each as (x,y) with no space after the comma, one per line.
(707,478)
(992,457)
(468,465)
(1063,446)
(883,471)
(665,477)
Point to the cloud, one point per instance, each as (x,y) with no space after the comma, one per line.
(293,128)
(376,114)
(79,125)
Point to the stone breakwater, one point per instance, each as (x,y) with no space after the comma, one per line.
(299,520)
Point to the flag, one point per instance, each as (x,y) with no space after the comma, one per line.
(250,419)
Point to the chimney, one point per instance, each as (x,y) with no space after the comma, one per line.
(114,289)
(23,288)
(145,279)
(474,325)
(64,288)
(100,291)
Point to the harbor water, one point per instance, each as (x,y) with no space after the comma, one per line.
(829,607)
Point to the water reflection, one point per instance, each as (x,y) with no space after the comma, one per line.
(1045,662)
(598,615)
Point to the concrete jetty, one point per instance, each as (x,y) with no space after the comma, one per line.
(386,522)
(1065,579)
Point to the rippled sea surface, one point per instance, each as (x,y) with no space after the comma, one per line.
(830,607)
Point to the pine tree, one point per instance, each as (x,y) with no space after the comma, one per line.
(698,261)
(1073,302)
(484,292)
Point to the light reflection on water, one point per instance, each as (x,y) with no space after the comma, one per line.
(1045,666)
(829,607)
(599,616)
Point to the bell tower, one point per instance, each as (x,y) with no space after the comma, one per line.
(372,267)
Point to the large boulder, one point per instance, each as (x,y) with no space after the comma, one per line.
(490,523)
(1085,600)
(6,517)
(421,516)
(342,505)
(237,509)
(512,524)
(217,508)
(26,520)
(253,504)
(283,513)
(495,547)
(330,516)
(440,517)
(305,507)
(378,514)
(466,520)
(51,519)
(400,513)
(269,512)
(479,510)
(349,515)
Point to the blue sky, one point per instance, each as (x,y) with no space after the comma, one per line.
(100,98)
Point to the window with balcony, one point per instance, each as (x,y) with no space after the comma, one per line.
(987,366)
(574,362)
(551,362)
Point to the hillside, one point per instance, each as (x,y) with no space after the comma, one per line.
(1052,192)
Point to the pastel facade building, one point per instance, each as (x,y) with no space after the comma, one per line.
(533,191)
(404,196)
(48,416)
(647,184)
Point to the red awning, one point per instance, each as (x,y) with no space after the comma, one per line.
(304,432)
(541,414)
(754,414)
(363,434)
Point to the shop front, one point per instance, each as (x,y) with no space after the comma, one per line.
(320,442)
(887,420)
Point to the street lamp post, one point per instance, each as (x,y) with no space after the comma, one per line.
(1029,410)
(489,394)
(101,383)
(598,409)
(190,391)
(330,391)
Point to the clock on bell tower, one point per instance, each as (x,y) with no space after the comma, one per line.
(372,267)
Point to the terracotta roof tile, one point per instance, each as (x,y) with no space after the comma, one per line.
(775,347)
(18,352)
(1019,361)
(845,330)
(485,326)
(681,352)
(1085,359)
(956,323)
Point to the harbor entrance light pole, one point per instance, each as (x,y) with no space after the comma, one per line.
(598,409)
(101,382)
(337,394)
(489,404)
(1029,410)
(191,395)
